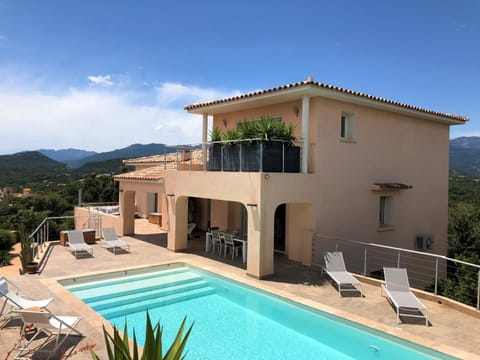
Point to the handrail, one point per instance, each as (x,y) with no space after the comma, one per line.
(400,249)
(420,270)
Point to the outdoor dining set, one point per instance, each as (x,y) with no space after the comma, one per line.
(222,242)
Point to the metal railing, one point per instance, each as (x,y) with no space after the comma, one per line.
(50,227)
(438,274)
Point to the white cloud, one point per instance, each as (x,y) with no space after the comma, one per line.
(94,119)
(168,93)
(100,80)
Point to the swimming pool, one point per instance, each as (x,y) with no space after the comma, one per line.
(233,320)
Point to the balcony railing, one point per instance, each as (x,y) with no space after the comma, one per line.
(440,275)
(250,155)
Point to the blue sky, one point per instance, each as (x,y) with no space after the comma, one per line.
(100,75)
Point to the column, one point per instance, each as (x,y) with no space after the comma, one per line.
(305,131)
(204,141)
(177,223)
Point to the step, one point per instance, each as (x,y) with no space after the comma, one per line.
(139,286)
(107,281)
(151,304)
(146,295)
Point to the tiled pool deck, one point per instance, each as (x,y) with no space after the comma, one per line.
(451,331)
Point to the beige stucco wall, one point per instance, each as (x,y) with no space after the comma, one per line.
(334,198)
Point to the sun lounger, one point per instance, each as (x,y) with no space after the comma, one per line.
(59,327)
(16,298)
(398,291)
(335,268)
(111,240)
(76,242)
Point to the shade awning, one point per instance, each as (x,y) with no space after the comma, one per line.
(389,186)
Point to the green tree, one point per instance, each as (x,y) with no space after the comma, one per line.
(463,230)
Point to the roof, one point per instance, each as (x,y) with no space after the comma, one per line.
(184,156)
(309,84)
(159,163)
(153,173)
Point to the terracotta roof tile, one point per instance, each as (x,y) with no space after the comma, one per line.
(196,156)
(153,173)
(311,82)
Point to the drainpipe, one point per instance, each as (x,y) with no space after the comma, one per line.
(305,132)
(204,141)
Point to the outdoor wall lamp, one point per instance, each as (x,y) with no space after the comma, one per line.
(121,190)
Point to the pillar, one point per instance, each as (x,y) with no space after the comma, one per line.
(127,210)
(305,131)
(177,223)
(204,141)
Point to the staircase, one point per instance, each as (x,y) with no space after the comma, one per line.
(120,297)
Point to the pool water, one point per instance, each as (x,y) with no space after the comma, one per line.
(232,320)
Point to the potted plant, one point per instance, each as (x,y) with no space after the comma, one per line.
(271,147)
(215,156)
(26,255)
(231,151)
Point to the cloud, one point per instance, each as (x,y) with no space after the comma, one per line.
(97,119)
(100,80)
(169,93)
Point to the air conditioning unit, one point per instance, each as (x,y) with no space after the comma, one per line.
(424,242)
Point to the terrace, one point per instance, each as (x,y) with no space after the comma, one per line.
(451,331)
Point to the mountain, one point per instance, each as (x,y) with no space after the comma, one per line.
(465,155)
(132,151)
(66,155)
(29,167)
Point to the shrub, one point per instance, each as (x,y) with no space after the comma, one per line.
(7,241)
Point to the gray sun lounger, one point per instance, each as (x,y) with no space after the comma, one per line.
(77,244)
(335,268)
(398,291)
(111,240)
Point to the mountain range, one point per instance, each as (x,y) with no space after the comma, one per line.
(47,164)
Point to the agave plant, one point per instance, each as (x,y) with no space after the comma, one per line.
(267,127)
(215,135)
(118,347)
(231,137)
(248,130)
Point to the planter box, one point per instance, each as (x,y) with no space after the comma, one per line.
(231,158)
(215,158)
(271,158)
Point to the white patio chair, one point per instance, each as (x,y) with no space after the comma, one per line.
(77,243)
(16,298)
(229,243)
(335,268)
(217,242)
(49,324)
(398,291)
(111,240)
(190,228)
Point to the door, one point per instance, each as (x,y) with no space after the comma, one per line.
(279,229)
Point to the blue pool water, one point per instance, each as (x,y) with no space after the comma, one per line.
(232,320)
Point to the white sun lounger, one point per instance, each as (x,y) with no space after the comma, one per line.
(51,325)
(398,291)
(111,240)
(335,268)
(76,242)
(16,298)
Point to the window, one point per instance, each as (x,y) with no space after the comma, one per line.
(385,214)
(347,124)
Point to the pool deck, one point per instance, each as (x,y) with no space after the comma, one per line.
(450,331)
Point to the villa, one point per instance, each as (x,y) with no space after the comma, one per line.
(365,168)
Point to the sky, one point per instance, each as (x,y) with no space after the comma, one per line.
(101,75)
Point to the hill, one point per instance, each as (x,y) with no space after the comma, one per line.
(465,155)
(29,167)
(66,155)
(132,151)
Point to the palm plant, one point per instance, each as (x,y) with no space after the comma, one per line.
(118,347)
(231,137)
